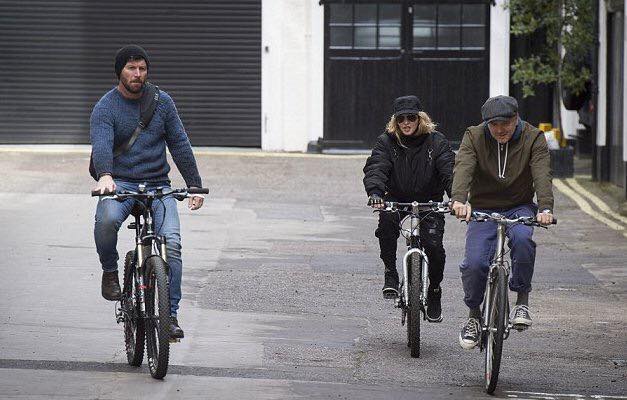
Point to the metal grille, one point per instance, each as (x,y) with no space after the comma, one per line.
(56,61)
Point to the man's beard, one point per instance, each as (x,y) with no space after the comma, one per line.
(130,89)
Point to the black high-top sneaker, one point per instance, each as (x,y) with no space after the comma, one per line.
(434,304)
(390,287)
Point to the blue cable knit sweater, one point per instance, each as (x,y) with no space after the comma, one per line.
(112,122)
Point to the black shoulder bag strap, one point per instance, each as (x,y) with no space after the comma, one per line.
(147,106)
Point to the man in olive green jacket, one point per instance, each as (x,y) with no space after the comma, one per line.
(501,164)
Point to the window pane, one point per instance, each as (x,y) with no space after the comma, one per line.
(341,14)
(365,13)
(341,36)
(448,38)
(389,14)
(424,15)
(389,37)
(365,37)
(424,37)
(449,14)
(473,38)
(473,14)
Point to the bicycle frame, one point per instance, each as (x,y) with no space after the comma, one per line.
(498,262)
(414,234)
(147,244)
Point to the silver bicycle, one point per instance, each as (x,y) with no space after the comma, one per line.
(412,298)
(495,324)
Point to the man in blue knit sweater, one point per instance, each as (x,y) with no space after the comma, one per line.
(113,120)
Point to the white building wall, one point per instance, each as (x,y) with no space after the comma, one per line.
(602,76)
(499,49)
(625,85)
(292,36)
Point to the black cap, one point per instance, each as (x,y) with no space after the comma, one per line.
(499,108)
(407,105)
(131,51)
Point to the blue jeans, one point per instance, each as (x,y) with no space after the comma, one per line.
(111,214)
(480,249)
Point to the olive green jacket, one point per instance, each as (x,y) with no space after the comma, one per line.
(525,169)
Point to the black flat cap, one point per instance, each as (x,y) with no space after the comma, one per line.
(407,105)
(499,108)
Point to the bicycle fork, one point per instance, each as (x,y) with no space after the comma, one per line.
(487,304)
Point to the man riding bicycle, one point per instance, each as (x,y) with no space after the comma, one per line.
(501,164)
(113,123)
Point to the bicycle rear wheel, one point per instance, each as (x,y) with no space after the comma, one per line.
(133,323)
(497,315)
(413,312)
(157,316)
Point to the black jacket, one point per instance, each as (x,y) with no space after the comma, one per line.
(421,172)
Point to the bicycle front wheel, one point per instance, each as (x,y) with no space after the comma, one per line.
(413,313)
(133,324)
(497,315)
(157,316)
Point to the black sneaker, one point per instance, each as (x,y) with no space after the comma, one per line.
(521,318)
(470,334)
(434,305)
(175,330)
(390,287)
(110,286)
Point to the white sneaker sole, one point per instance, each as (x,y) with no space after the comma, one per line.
(467,345)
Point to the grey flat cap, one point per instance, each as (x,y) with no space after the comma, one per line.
(499,108)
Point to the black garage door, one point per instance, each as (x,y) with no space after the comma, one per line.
(377,50)
(56,61)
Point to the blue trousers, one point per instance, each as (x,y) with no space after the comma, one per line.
(480,249)
(111,214)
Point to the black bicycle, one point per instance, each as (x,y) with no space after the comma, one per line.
(412,298)
(144,308)
(495,324)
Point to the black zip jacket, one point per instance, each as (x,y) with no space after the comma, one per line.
(422,171)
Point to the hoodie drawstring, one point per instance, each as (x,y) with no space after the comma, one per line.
(498,150)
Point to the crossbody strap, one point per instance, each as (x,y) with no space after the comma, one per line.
(147,107)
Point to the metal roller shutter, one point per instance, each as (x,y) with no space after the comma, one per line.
(56,61)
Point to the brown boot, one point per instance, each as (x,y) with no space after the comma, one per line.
(111,286)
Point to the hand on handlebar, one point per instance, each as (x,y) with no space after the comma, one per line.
(544,218)
(375,201)
(105,185)
(195,201)
(462,211)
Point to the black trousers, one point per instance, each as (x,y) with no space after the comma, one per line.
(431,233)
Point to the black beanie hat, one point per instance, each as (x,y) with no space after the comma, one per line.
(127,52)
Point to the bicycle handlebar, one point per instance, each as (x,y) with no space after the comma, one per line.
(156,193)
(434,206)
(479,216)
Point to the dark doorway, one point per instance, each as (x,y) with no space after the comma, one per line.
(378,50)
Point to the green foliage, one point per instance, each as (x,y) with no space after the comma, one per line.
(569,23)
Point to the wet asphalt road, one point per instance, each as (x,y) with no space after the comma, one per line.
(282,295)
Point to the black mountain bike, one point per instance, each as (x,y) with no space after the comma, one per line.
(495,324)
(145,305)
(412,298)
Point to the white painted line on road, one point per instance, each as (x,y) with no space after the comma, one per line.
(596,200)
(584,206)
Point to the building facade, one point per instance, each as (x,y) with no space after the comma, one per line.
(254,73)
(610,134)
